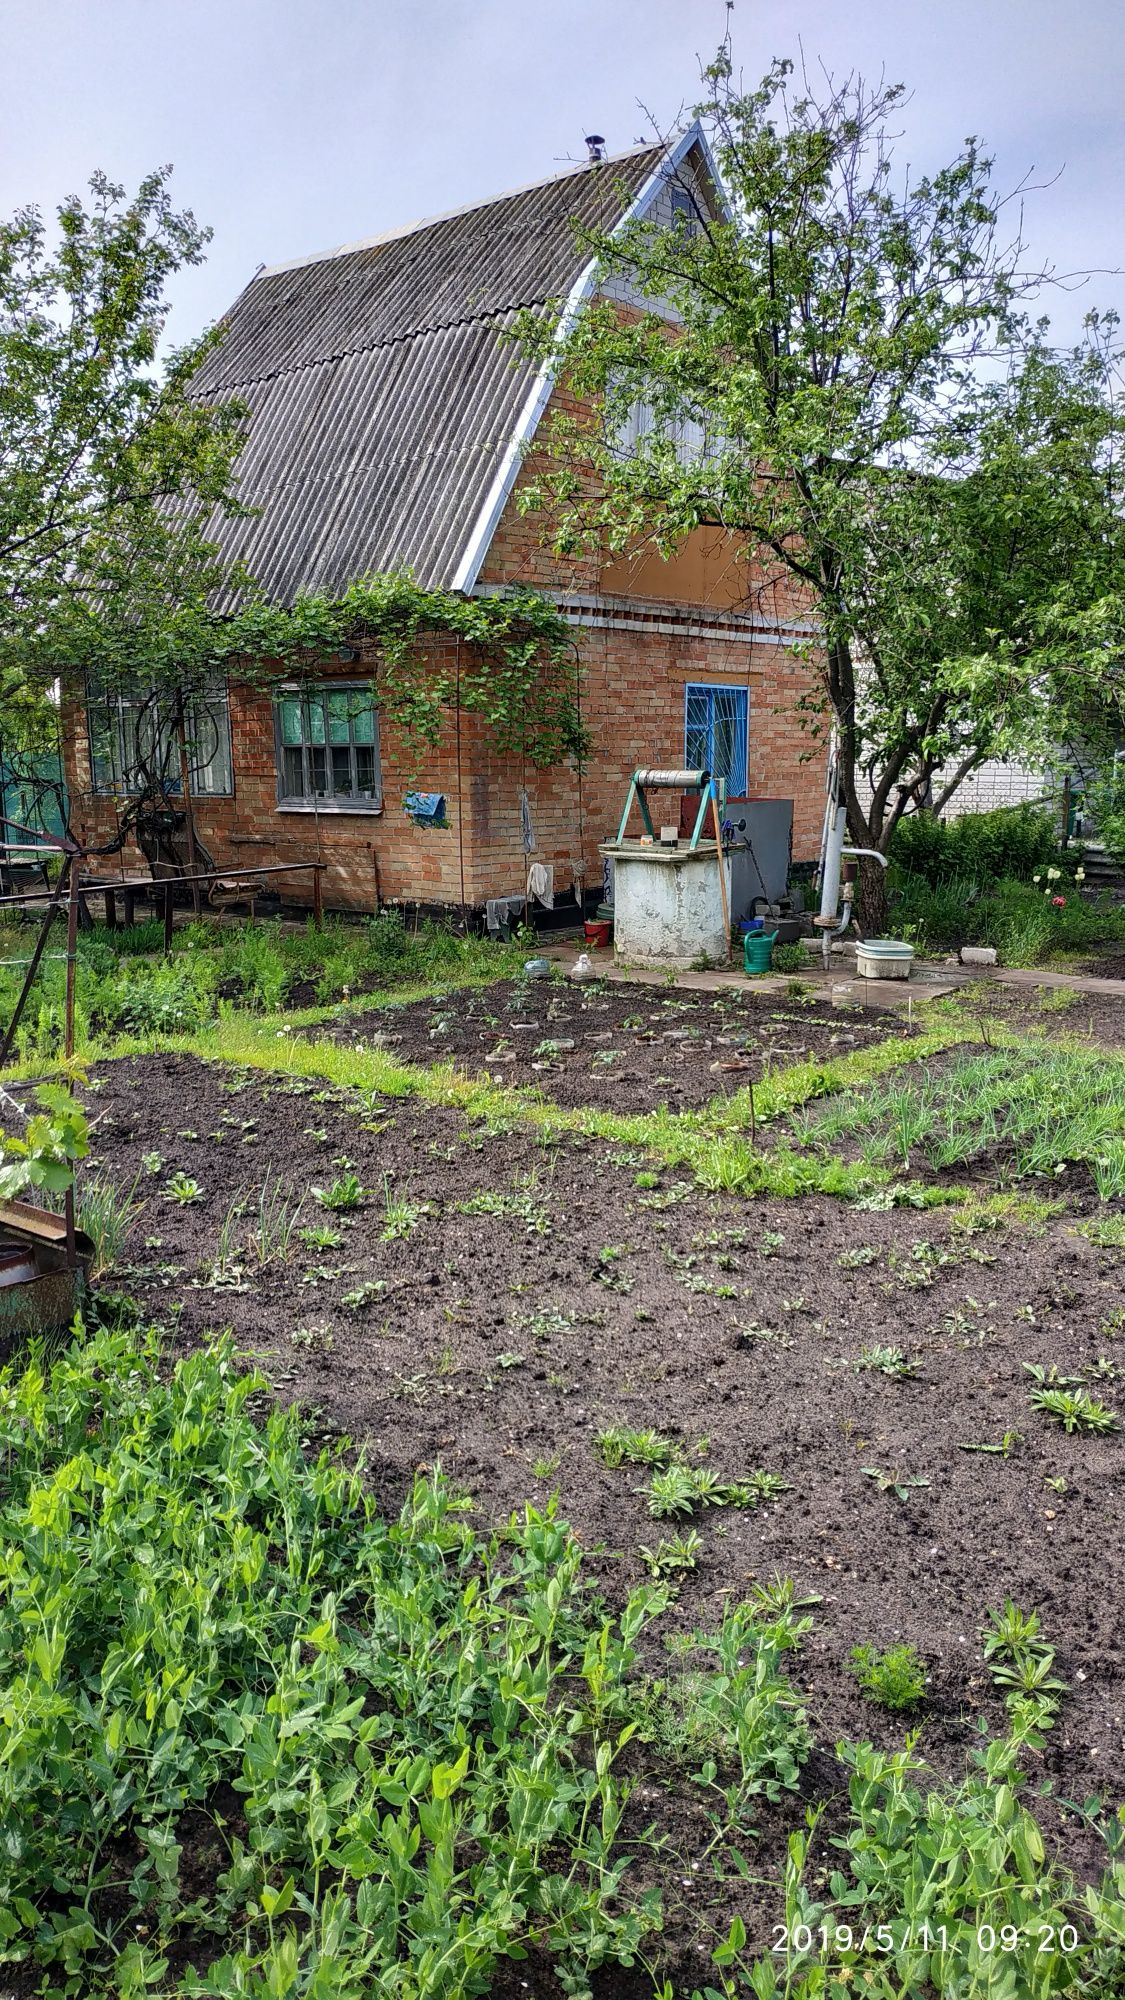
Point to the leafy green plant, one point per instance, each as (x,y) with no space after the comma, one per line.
(617,1446)
(55,1136)
(895,1679)
(400,1215)
(901,1484)
(674,1555)
(887,1361)
(344,1194)
(274,1220)
(1075,1410)
(182,1189)
(364,1295)
(1020,1660)
(320,1236)
(107,1213)
(680,1489)
(148,1625)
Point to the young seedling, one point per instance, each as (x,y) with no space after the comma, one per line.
(887,1361)
(856,1258)
(770,1243)
(180,1188)
(1004,1449)
(895,1679)
(674,1555)
(364,1295)
(1019,1659)
(321,1236)
(152,1162)
(901,1484)
(345,1194)
(1075,1410)
(400,1216)
(617,1447)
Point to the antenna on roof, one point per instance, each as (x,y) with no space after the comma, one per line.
(595,145)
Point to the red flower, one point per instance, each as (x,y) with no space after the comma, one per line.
(1059,902)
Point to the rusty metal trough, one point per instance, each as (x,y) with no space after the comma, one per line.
(40,1292)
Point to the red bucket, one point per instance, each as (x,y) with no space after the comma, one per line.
(598,932)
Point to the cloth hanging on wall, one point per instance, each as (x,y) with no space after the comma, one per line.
(527,831)
(501,910)
(541,883)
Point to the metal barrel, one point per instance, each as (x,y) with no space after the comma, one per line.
(672,781)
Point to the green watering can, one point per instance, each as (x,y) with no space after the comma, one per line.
(758,950)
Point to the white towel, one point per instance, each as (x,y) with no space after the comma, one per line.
(541,883)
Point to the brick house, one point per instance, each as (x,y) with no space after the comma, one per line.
(392,427)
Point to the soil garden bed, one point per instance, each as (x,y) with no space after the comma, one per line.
(617,1047)
(495,1304)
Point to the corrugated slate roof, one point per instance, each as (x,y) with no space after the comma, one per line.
(383,394)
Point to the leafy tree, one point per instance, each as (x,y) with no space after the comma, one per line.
(851,386)
(109,468)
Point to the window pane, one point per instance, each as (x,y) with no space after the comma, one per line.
(105,758)
(207,730)
(290,721)
(338,710)
(363,720)
(292,774)
(339,729)
(723,739)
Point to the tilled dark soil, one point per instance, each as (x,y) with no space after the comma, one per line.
(500,1344)
(617,1047)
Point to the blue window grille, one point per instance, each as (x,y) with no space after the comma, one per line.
(716,728)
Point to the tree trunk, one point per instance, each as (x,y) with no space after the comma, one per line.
(873,902)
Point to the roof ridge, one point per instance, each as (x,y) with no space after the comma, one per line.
(572,172)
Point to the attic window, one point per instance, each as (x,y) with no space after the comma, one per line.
(684,214)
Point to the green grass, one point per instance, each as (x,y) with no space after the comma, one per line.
(126,986)
(1032,1108)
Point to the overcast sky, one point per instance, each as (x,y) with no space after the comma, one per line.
(293,126)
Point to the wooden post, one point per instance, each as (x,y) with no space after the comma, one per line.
(110,910)
(68,1045)
(167,916)
(722,865)
(318,900)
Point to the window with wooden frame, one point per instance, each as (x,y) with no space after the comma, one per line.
(328,748)
(135,741)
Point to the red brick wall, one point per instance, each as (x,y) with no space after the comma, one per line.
(632,695)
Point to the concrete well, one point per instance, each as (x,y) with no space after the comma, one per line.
(667,905)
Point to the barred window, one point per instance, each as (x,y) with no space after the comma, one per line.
(716,732)
(328,747)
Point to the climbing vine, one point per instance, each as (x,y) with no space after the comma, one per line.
(516,666)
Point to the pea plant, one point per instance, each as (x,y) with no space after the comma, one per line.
(190,1606)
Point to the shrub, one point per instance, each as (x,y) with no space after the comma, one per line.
(1024,924)
(983,847)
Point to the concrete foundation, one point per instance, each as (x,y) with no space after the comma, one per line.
(667,904)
